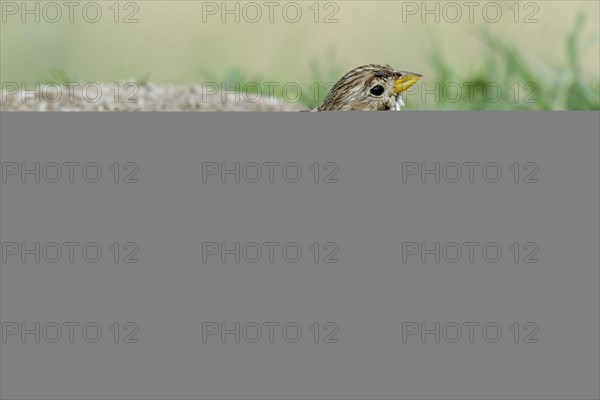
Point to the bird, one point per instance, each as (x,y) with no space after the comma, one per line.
(371,87)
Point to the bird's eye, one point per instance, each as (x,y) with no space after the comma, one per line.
(377,90)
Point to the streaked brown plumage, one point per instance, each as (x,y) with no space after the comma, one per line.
(369,87)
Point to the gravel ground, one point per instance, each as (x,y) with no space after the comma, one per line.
(128,96)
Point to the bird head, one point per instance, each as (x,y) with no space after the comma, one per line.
(369,88)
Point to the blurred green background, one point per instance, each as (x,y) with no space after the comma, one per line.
(553,63)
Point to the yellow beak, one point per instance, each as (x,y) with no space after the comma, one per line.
(405,81)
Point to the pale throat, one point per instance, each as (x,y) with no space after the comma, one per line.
(399,103)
